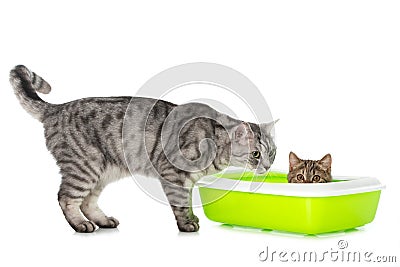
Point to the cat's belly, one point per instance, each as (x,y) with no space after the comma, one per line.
(112,174)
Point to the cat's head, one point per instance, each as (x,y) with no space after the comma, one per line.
(309,171)
(253,146)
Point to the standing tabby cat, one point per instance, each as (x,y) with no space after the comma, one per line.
(85,138)
(309,171)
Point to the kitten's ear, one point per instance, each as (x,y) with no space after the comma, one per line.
(326,161)
(267,127)
(293,161)
(242,133)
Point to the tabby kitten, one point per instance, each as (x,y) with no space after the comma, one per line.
(85,138)
(309,171)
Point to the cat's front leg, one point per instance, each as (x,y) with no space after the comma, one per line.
(186,222)
(179,195)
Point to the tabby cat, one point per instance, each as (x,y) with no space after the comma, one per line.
(99,140)
(309,171)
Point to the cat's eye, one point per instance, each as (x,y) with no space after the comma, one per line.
(316,178)
(300,177)
(256,154)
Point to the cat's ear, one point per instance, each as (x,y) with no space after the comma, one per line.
(326,161)
(293,160)
(242,133)
(267,127)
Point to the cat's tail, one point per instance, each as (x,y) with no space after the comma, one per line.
(25,84)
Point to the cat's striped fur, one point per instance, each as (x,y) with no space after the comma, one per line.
(86,139)
(309,171)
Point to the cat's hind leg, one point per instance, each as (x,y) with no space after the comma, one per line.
(92,211)
(70,198)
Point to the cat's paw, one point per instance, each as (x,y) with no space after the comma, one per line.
(85,227)
(194,218)
(189,226)
(110,222)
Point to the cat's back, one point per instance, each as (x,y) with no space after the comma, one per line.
(97,120)
(93,109)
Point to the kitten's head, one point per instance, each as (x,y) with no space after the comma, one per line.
(309,171)
(253,146)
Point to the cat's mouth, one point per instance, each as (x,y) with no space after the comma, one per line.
(261,170)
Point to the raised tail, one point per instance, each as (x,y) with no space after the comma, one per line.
(25,84)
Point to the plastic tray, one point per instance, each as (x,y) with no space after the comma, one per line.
(269,202)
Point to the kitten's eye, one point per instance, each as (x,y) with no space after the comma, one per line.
(256,154)
(300,177)
(316,178)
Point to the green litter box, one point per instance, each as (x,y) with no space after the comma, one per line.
(270,202)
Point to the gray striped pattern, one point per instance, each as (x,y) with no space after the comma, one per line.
(98,140)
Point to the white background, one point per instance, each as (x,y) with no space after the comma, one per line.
(328,69)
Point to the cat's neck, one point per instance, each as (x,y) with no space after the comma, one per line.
(223,142)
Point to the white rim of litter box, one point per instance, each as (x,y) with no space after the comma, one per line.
(348,186)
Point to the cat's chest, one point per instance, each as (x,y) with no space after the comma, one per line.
(112,174)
